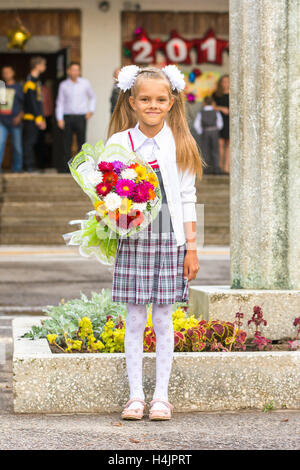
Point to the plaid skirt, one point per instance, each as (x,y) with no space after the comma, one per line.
(149,268)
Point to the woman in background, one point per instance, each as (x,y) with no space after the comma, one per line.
(221,98)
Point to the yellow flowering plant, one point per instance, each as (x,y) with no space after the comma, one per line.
(190,334)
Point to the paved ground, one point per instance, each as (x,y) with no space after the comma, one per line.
(243,430)
(41,276)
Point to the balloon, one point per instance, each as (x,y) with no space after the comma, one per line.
(192,77)
(197,72)
(191,97)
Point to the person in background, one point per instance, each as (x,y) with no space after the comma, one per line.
(115,92)
(221,98)
(11,114)
(207,123)
(43,146)
(33,111)
(191,110)
(75,105)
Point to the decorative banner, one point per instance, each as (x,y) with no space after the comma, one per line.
(210,49)
(177,49)
(142,49)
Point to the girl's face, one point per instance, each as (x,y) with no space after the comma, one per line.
(152,101)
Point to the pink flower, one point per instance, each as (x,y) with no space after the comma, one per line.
(141,193)
(118,166)
(125,187)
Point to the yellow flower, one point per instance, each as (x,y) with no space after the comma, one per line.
(72,344)
(141,172)
(125,206)
(85,327)
(181,320)
(152,178)
(51,338)
(101,208)
(76,344)
(93,345)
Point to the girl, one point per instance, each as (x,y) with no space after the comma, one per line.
(155,265)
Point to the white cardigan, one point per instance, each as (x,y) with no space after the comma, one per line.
(179,186)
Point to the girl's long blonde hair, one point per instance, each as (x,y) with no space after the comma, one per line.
(124,117)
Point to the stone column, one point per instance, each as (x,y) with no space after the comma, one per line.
(265,144)
(264,170)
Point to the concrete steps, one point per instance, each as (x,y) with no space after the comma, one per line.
(37,208)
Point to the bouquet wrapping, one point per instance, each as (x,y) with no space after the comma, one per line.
(125,193)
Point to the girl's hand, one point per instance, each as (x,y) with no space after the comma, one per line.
(191,264)
(225,110)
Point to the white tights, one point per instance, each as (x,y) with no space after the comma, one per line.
(136,320)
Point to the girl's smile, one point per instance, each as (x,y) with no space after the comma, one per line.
(151,103)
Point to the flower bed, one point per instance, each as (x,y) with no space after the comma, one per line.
(44,382)
(98,325)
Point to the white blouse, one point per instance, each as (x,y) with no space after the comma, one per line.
(179,186)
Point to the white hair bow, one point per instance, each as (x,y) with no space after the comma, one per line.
(128,74)
(175,76)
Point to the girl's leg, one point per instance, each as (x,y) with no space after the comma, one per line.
(136,320)
(163,327)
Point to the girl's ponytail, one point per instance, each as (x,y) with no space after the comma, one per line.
(188,155)
(123,116)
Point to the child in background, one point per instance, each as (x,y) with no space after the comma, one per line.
(155,265)
(207,123)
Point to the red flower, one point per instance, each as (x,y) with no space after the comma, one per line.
(103,188)
(110,177)
(105,166)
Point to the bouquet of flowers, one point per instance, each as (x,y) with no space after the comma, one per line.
(125,193)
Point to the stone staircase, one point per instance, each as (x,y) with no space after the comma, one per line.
(213,192)
(35,208)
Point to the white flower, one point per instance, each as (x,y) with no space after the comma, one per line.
(95,177)
(127,76)
(175,76)
(128,174)
(139,206)
(112,201)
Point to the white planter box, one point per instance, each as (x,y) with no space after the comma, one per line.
(97,383)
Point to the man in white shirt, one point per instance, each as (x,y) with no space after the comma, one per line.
(75,105)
